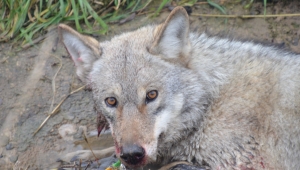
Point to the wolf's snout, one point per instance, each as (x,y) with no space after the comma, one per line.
(132,154)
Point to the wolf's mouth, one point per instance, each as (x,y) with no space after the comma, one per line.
(134,166)
(131,155)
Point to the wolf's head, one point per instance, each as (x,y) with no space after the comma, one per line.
(141,84)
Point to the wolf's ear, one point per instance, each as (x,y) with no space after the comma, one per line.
(172,38)
(84,50)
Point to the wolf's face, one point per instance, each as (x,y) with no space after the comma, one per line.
(140,84)
(139,95)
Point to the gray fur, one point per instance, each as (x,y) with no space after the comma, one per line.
(228,104)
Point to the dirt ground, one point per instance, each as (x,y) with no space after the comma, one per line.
(28,79)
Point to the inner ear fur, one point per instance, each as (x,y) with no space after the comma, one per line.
(171,41)
(83,49)
(88,41)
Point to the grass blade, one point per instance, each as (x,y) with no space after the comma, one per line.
(19,18)
(164,2)
(85,13)
(75,9)
(97,18)
(216,6)
(62,8)
(265,7)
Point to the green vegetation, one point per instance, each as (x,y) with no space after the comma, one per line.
(20,20)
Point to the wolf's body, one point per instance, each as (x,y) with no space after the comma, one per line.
(219,102)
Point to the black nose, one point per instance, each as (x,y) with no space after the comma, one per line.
(132,154)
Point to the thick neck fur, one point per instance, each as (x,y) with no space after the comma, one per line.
(218,64)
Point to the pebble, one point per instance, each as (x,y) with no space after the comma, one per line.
(67,131)
(78,135)
(13,158)
(9,146)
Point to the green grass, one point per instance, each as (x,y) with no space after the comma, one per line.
(24,20)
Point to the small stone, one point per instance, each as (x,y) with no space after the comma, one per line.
(9,146)
(13,158)
(78,135)
(67,131)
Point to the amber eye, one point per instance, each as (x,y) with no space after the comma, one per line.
(111,101)
(151,95)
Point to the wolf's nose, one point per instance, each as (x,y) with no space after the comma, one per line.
(132,154)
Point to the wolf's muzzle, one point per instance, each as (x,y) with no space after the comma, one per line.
(132,154)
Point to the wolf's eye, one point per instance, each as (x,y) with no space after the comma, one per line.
(151,95)
(111,101)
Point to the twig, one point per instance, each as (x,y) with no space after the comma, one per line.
(85,138)
(246,16)
(87,166)
(56,109)
(127,19)
(201,3)
(53,83)
(99,3)
(80,164)
(147,12)
(119,2)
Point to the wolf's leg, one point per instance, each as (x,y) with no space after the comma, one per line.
(86,155)
(181,165)
(106,162)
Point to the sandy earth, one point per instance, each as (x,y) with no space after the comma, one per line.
(27,76)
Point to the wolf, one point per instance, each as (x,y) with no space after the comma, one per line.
(170,95)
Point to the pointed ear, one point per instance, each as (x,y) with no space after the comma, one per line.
(84,50)
(172,38)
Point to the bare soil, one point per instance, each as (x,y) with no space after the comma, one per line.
(27,81)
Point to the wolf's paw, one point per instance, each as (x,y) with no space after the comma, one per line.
(182,165)
(85,155)
(187,167)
